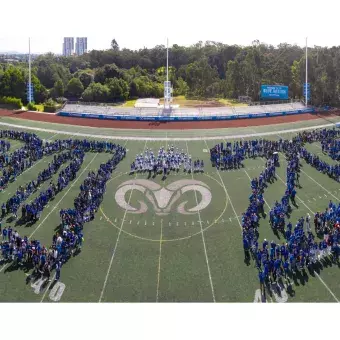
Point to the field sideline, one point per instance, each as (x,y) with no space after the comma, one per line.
(174,256)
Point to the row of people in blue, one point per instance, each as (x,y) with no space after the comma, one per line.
(332,171)
(231,155)
(24,192)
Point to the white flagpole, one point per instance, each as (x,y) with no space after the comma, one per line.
(306,91)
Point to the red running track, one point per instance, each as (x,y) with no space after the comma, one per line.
(119,124)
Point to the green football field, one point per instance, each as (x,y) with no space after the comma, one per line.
(189,248)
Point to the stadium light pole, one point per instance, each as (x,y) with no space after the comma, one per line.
(306,91)
(29,72)
(167,59)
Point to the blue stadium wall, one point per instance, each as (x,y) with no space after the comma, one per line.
(171,119)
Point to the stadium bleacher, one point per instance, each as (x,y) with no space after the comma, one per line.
(183,112)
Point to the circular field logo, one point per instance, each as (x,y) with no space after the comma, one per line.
(170,211)
(164,199)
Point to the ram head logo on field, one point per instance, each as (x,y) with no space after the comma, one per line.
(163,199)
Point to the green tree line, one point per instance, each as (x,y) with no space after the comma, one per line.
(203,70)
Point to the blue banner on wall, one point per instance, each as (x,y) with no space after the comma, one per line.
(189,118)
(274,92)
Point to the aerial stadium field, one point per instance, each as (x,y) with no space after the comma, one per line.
(133,252)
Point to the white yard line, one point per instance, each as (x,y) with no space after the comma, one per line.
(203,239)
(115,247)
(135,138)
(316,182)
(38,227)
(159,260)
(329,290)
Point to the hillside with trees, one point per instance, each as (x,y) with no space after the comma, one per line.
(203,70)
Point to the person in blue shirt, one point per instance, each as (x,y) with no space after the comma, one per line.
(286,269)
(246,248)
(265,244)
(258,259)
(4,234)
(261,279)
(57,269)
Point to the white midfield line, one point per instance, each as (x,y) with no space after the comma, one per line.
(159,260)
(38,227)
(329,290)
(115,248)
(202,233)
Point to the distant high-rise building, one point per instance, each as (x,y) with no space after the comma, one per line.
(81,46)
(68,46)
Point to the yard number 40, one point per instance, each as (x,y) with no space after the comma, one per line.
(55,293)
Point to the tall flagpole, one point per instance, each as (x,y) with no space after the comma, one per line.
(306,90)
(29,71)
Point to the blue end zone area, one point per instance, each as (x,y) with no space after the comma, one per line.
(188,118)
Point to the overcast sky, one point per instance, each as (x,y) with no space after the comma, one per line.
(138,23)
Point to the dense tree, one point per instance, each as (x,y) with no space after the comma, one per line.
(108,71)
(40,92)
(182,87)
(58,89)
(96,92)
(203,70)
(119,89)
(114,45)
(86,78)
(13,83)
(75,88)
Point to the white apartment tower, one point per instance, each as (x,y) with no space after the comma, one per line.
(68,46)
(81,46)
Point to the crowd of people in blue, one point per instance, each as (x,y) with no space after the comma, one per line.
(21,159)
(274,261)
(68,239)
(301,248)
